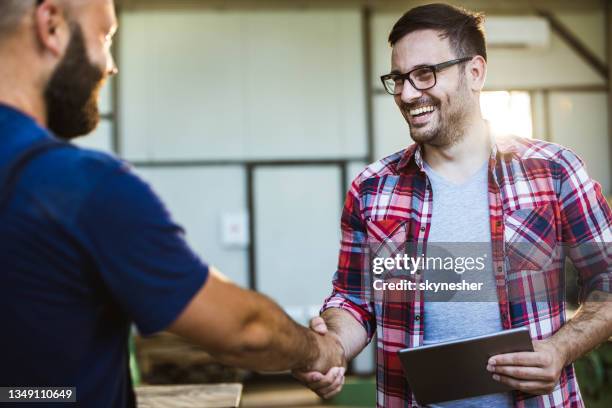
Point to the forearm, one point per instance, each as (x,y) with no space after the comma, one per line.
(244,328)
(271,341)
(590,326)
(351,334)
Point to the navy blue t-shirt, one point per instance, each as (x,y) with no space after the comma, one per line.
(86,249)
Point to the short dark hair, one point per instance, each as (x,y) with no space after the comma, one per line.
(464,29)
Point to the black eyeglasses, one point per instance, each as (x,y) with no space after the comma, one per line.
(421,78)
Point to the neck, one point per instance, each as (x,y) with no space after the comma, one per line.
(462,159)
(28,104)
(19,87)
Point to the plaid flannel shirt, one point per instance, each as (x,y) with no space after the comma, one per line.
(539,193)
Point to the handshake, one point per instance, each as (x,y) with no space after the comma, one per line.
(326,376)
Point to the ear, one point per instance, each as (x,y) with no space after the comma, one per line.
(52,28)
(477,72)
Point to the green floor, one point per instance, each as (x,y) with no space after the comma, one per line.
(357,392)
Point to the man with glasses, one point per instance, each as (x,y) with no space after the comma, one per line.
(459,184)
(87,248)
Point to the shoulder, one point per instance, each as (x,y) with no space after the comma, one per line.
(386,166)
(107,175)
(68,175)
(115,192)
(538,151)
(87,162)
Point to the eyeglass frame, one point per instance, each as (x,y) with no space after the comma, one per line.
(434,69)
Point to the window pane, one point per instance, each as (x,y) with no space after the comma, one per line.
(508,112)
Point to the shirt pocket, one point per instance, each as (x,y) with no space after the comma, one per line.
(386,237)
(530,238)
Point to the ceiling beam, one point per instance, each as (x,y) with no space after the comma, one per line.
(576,44)
(488,6)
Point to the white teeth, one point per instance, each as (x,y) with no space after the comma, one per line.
(422,109)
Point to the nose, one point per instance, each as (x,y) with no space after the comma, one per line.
(409,92)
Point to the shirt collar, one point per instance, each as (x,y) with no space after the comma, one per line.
(499,145)
(18,129)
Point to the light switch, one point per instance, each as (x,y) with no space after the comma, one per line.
(235,229)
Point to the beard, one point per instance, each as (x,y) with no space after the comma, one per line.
(71,95)
(450,123)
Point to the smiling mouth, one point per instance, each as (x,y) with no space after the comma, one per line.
(423,110)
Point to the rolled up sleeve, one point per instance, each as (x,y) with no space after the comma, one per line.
(350,288)
(586,225)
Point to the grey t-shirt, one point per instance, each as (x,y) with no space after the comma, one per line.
(460,223)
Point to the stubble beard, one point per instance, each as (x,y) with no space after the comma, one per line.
(451,124)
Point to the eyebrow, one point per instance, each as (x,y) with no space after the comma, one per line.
(398,72)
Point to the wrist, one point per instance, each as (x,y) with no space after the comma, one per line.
(340,345)
(312,351)
(562,350)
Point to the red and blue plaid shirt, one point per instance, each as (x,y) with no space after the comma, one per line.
(539,193)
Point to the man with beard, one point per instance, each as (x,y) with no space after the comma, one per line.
(460,184)
(87,247)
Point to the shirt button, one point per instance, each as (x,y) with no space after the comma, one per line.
(499,269)
(417,317)
(422,229)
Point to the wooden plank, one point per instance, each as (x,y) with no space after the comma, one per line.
(189,396)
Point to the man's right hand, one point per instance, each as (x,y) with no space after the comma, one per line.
(326,383)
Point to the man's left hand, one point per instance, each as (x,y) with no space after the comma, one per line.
(535,372)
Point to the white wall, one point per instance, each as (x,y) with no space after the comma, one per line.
(297,219)
(579,120)
(198,198)
(589,27)
(242,85)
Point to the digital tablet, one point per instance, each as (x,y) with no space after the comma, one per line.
(458,369)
